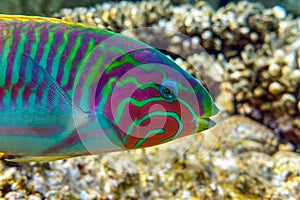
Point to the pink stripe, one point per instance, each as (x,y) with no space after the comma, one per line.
(29,30)
(3,26)
(1,97)
(29,41)
(71,140)
(43,40)
(84,75)
(11,55)
(42,131)
(53,50)
(77,59)
(40,90)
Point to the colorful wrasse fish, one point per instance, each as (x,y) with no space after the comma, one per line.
(67,89)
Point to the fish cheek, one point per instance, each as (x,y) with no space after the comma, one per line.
(142,135)
(155,123)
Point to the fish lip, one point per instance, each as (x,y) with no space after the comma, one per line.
(211,122)
(204,121)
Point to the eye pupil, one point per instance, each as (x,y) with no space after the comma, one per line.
(168,90)
(167,93)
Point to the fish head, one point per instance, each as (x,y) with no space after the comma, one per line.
(155,101)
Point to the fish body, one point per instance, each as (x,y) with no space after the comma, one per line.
(68,89)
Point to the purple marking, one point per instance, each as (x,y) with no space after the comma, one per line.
(61,103)
(43,39)
(77,59)
(71,39)
(71,140)
(40,91)
(42,131)
(117,72)
(57,41)
(11,55)
(3,26)
(51,95)
(88,66)
(124,43)
(22,74)
(147,56)
(1,97)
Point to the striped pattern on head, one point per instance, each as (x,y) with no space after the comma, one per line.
(147,98)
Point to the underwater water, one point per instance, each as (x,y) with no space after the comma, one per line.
(41,7)
(246,53)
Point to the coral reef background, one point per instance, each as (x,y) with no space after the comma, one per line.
(44,7)
(250,155)
(257,50)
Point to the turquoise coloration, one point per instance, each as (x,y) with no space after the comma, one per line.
(68,89)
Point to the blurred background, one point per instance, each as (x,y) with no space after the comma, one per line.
(252,154)
(44,7)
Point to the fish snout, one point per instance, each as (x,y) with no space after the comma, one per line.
(204,122)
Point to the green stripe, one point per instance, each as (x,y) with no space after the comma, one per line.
(107,89)
(81,68)
(94,70)
(130,79)
(192,111)
(125,59)
(136,103)
(35,44)
(68,64)
(60,50)
(149,133)
(50,38)
(7,46)
(90,79)
(147,116)
(17,65)
(133,80)
(89,49)
(141,103)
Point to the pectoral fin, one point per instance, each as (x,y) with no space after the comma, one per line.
(41,101)
(37,113)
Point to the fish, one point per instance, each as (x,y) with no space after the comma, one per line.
(69,89)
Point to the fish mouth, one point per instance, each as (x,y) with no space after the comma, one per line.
(203,124)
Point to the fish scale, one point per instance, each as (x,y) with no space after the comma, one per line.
(27,37)
(68,89)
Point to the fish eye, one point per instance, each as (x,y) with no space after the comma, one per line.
(168,90)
